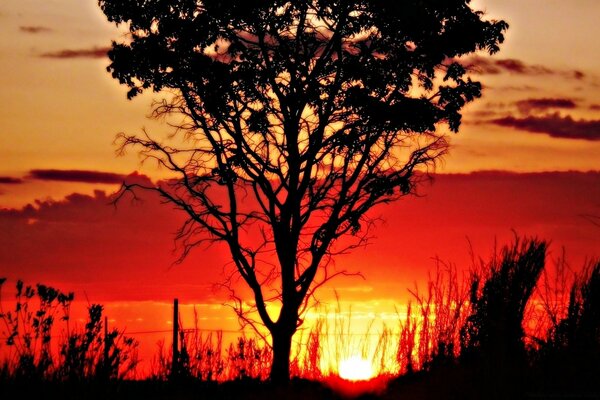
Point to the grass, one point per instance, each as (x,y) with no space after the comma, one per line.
(512,328)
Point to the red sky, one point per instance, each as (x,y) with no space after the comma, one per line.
(538,121)
(122,257)
(85,243)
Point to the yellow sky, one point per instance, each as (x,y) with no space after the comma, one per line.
(63,113)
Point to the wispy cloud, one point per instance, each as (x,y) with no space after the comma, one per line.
(94,52)
(9,180)
(554,125)
(516,88)
(76,176)
(35,29)
(543,104)
(495,66)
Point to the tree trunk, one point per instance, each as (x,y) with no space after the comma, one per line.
(282,345)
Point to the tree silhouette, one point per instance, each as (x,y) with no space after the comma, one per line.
(295,119)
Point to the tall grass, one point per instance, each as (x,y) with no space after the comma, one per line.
(508,320)
(430,333)
(570,352)
(204,356)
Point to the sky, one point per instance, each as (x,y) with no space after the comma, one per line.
(62,110)
(537,127)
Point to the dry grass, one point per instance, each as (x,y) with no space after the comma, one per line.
(511,311)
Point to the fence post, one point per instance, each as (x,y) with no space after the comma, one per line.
(175,361)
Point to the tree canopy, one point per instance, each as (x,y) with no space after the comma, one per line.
(298,118)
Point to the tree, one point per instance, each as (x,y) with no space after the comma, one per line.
(296,118)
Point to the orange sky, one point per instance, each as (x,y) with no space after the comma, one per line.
(61,110)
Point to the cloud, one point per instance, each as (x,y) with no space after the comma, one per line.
(126,253)
(76,176)
(476,116)
(516,88)
(35,29)
(85,243)
(595,107)
(554,125)
(543,104)
(94,52)
(495,66)
(9,180)
(517,67)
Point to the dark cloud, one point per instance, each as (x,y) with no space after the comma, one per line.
(123,251)
(35,29)
(554,125)
(126,252)
(595,107)
(495,66)
(76,176)
(9,180)
(517,88)
(543,104)
(518,67)
(94,52)
(476,116)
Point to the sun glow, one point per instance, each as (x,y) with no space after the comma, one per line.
(356,368)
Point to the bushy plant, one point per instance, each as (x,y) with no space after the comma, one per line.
(28,329)
(569,356)
(83,354)
(498,298)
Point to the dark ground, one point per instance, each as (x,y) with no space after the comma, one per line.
(440,385)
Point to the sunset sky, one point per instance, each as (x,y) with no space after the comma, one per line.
(537,126)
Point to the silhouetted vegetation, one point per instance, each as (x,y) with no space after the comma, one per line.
(294,119)
(430,333)
(492,337)
(569,357)
(204,358)
(471,336)
(41,318)
(485,351)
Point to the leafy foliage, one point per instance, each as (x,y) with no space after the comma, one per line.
(300,116)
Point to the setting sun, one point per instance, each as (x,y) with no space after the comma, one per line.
(356,368)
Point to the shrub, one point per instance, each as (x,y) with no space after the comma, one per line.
(86,354)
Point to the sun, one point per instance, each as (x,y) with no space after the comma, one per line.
(356,368)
